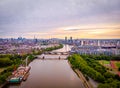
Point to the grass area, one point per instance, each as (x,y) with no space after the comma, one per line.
(104,62)
(118,64)
(1,69)
(4,59)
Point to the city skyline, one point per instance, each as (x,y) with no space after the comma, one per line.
(57,19)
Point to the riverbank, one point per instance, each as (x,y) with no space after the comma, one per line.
(81,76)
(91,68)
(16,65)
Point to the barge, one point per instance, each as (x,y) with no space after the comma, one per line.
(19,75)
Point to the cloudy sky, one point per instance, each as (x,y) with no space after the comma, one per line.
(60,18)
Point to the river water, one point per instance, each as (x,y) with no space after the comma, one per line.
(50,74)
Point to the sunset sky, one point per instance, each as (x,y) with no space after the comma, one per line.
(60,18)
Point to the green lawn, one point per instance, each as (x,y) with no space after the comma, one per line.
(104,62)
(4,59)
(118,64)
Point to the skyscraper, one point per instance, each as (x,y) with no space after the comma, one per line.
(65,39)
(71,40)
(35,40)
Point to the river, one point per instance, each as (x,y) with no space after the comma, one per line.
(50,74)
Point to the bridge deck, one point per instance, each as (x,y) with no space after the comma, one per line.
(57,53)
(52,57)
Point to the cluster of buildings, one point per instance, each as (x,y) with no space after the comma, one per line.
(24,46)
(96,46)
(80,46)
(69,41)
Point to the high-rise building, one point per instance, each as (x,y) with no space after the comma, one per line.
(65,39)
(81,42)
(35,40)
(71,39)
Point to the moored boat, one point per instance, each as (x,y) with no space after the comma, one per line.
(15,80)
(20,74)
(25,76)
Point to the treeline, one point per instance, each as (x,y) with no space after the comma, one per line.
(10,63)
(8,60)
(7,72)
(14,62)
(96,71)
(53,48)
(102,57)
(5,62)
(36,52)
(79,63)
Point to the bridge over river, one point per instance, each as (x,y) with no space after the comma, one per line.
(53,56)
(51,73)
